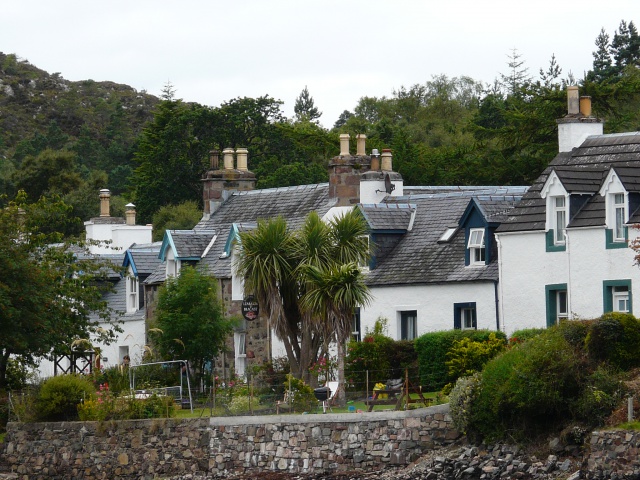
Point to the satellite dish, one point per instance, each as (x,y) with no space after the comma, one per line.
(388,186)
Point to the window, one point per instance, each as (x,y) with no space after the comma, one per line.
(557,302)
(355,326)
(617,296)
(476,246)
(132,293)
(560,219)
(618,231)
(465,316)
(408,324)
(241,344)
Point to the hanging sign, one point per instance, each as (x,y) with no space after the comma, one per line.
(250,309)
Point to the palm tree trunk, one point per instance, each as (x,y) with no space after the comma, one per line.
(341,395)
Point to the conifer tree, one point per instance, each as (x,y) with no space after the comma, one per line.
(305,108)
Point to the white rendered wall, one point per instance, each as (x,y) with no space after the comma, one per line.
(433,303)
(572,134)
(526,268)
(121,236)
(372,191)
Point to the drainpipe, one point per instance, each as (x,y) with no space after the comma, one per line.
(568,250)
(498,287)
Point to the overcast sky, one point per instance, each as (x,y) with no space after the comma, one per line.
(213,51)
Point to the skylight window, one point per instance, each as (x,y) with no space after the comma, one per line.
(446,236)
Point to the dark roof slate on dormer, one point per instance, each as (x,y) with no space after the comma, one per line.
(387,217)
(579,168)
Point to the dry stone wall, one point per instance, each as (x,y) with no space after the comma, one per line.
(315,444)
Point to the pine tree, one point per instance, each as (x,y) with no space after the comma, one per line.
(625,46)
(305,108)
(602,64)
(518,77)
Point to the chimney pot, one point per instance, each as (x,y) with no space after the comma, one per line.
(344,145)
(573,101)
(386,160)
(214,159)
(130,214)
(242,154)
(105,195)
(228,158)
(375,160)
(361,140)
(585,105)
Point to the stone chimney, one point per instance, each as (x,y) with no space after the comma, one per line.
(578,124)
(130,214)
(105,196)
(220,184)
(344,173)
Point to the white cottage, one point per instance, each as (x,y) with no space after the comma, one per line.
(564,249)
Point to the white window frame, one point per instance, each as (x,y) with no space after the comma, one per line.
(364,265)
(132,292)
(476,246)
(173,265)
(562,307)
(619,205)
(466,318)
(620,294)
(559,219)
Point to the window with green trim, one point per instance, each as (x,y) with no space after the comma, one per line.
(557,302)
(617,296)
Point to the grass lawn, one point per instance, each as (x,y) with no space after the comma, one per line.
(355,406)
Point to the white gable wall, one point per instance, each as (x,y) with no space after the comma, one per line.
(434,305)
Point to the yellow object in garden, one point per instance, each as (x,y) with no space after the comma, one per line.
(379,386)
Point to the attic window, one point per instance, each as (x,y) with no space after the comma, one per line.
(446,236)
(476,246)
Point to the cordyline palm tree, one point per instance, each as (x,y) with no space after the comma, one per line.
(274,262)
(334,293)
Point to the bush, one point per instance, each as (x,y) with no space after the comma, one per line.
(461,400)
(526,390)
(602,394)
(240,405)
(302,397)
(467,357)
(60,396)
(615,337)
(431,349)
(525,334)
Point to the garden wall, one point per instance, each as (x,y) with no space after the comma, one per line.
(222,446)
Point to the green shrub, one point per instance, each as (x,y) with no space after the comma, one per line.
(602,394)
(525,334)
(431,350)
(59,397)
(240,405)
(467,356)
(526,389)
(302,397)
(461,400)
(575,331)
(614,338)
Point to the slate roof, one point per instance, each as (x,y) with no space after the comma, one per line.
(388,216)
(582,171)
(244,209)
(145,257)
(419,258)
(191,243)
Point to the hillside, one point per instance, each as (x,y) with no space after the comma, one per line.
(99,121)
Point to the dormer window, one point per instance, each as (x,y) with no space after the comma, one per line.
(619,206)
(132,293)
(559,219)
(476,246)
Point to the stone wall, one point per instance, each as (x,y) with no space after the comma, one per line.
(224,446)
(614,453)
